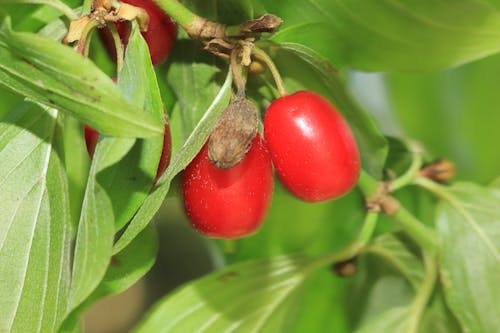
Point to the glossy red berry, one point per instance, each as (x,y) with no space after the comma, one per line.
(160,35)
(228,203)
(312,147)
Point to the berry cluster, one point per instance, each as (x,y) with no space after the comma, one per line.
(313,152)
(227,188)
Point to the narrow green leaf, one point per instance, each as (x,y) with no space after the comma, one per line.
(182,158)
(392,249)
(247,297)
(469,226)
(129,168)
(371,142)
(55,75)
(35,228)
(94,236)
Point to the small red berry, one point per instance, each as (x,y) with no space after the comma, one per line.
(312,147)
(160,35)
(229,203)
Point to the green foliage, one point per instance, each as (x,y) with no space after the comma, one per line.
(468,220)
(75,230)
(253,296)
(50,73)
(36,232)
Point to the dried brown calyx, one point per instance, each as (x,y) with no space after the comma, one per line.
(233,135)
(104,11)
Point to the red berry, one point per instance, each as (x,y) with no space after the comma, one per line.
(228,203)
(312,147)
(91,138)
(160,35)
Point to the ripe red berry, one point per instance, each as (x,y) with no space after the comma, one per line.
(228,203)
(160,35)
(312,147)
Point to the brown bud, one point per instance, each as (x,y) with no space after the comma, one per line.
(345,268)
(439,171)
(233,135)
(265,23)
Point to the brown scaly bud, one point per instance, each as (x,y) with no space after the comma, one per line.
(265,23)
(233,135)
(345,268)
(440,171)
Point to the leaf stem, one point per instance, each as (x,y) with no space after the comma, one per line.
(262,55)
(83,45)
(195,26)
(409,176)
(424,292)
(423,235)
(431,186)
(367,184)
(118,47)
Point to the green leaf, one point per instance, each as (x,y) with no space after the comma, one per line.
(400,318)
(126,268)
(94,239)
(55,75)
(372,143)
(391,35)
(129,167)
(438,318)
(194,78)
(252,296)
(182,158)
(393,250)
(469,227)
(391,321)
(35,233)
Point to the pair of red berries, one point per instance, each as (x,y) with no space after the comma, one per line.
(314,154)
